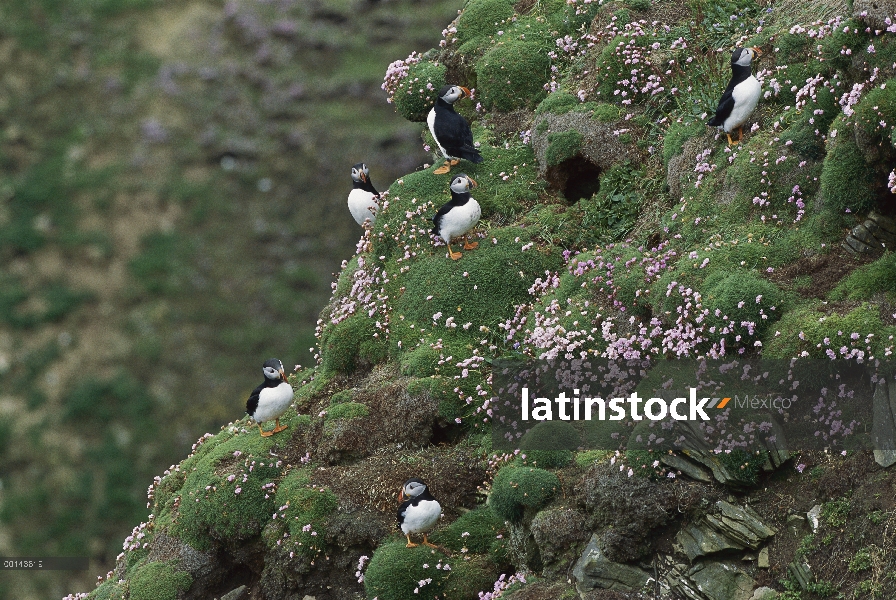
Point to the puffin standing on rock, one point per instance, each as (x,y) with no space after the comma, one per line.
(270,399)
(459,215)
(741,95)
(451,131)
(419,513)
(363,199)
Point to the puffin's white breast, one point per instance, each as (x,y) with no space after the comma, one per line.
(431,121)
(421,518)
(273,402)
(360,203)
(746,96)
(459,220)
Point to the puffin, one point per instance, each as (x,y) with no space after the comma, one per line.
(270,399)
(451,131)
(459,215)
(419,511)
(362,200)
(741,95)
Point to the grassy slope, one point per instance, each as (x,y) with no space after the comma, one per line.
(740,218)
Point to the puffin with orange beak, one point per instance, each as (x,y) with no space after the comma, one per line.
(741,95)
(270,399)
(419,511)
(451,131)
(363,200)
(459,215)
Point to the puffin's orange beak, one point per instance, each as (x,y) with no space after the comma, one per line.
(466,91)
(283,375)
(363,177)
(401,495)
(473,181)
(757,51)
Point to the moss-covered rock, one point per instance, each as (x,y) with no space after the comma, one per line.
(742,307)
(396,572)
(562,146)
(158,581)
(512,74)
(516,489)
(417,93)
(351,343)
(483,18)
(863,283)
(300,521)
(559,102)
(476,530)
(847,180)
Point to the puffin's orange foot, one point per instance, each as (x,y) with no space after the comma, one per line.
(410,543)
(279,427)
(730,141)
(470,245)
(443,169)
(454,162)
(265,433)
(426,542)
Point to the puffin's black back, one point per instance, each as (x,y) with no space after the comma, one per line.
(739,73)
(252,402)
(453,132)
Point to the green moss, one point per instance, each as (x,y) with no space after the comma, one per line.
(676,136)
(736,298)
(847,180)
(483,18)
(209,506)
(475,530)
(638,4)
(417,93)
(817,331)
(558,103)
(158,581)
(606,113)
(341,396)
(347,410)
(516,488)
(589,457)
(351,343)
(395,571)
(512,74)
(562,146)
(805,133)
(303,512)
(866,281)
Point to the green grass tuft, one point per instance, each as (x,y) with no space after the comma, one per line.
(517,488)
(562,146)
(417,93)
(158,581)
(512,74)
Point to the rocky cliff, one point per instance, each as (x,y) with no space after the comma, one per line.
(615,224)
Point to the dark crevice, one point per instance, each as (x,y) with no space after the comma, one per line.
(582,179)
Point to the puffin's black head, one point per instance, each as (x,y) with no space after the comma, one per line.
(412,488)
(453,93)
(273,369)
(462,183)
(744,56)
(360,172)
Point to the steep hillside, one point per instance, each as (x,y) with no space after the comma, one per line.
(615,224)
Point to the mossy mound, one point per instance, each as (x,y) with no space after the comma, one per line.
(347,410)
(562,146)
(351,343)
(476,530)
(483,18)
(417,93)
(877,278)
(516,489)
(558,103)
(742,306)
(847,181)
(158,581)
(300,521)
(227,494)
(396,572)
(512,74)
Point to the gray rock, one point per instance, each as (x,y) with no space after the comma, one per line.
(763,562)
(237,594)
(874,12)
(721,581)
(764,593)
(802,572)
(730,528)
(884,427)
(690,468)
(813,516)
(594,570)
(556,531)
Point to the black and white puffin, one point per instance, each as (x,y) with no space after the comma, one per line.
(419,511)
(459,215)
(451,131)
(741,95)
(363,199)
(270,399)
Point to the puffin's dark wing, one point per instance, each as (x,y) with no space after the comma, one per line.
(252,402)
(437,219)
(404,506)
(455,136)
(726,105)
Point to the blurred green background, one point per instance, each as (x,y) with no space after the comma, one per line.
(173,178)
